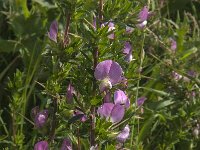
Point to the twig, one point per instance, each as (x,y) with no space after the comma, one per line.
(66,38)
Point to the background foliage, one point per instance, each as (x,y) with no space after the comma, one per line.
(35,70)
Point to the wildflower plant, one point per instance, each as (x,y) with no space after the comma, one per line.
(99,75)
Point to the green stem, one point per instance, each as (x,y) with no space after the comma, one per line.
(137,92)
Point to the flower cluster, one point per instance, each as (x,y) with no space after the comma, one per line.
(109,73)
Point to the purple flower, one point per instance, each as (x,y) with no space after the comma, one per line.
(128,52)
(105,110)
(140,101)
(70,92)
(53,31)
(66,145)
(176,76)
(117,113)
(110,111)
(192,73)
(124,134)
(173,44)
(114,112)
(78,112)
(109,73)
(42,145)
(121,98)
(129,30)
(127,48)
(142,25)
(142,17)
(111,26)
(41,118)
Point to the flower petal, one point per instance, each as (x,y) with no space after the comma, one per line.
(105,110)
(117,113)
(127,48)
(142,25)
(78,112)
(111,25)
(42,145)
(173,44)
(41,118)
(129,29)
(129,57)
(66,145)
(143,15)
(124,134)
(115,73)
(53,31)
(102,69)
(121,98)
(69,93)
(140,101)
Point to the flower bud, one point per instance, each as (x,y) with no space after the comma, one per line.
(42,145)
(66,145)
(41,118)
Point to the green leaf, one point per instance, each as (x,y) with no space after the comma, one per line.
(160,104)
(110,147)
(95,101)
(8,46)
(75,118)
(146,128)
(188,53)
